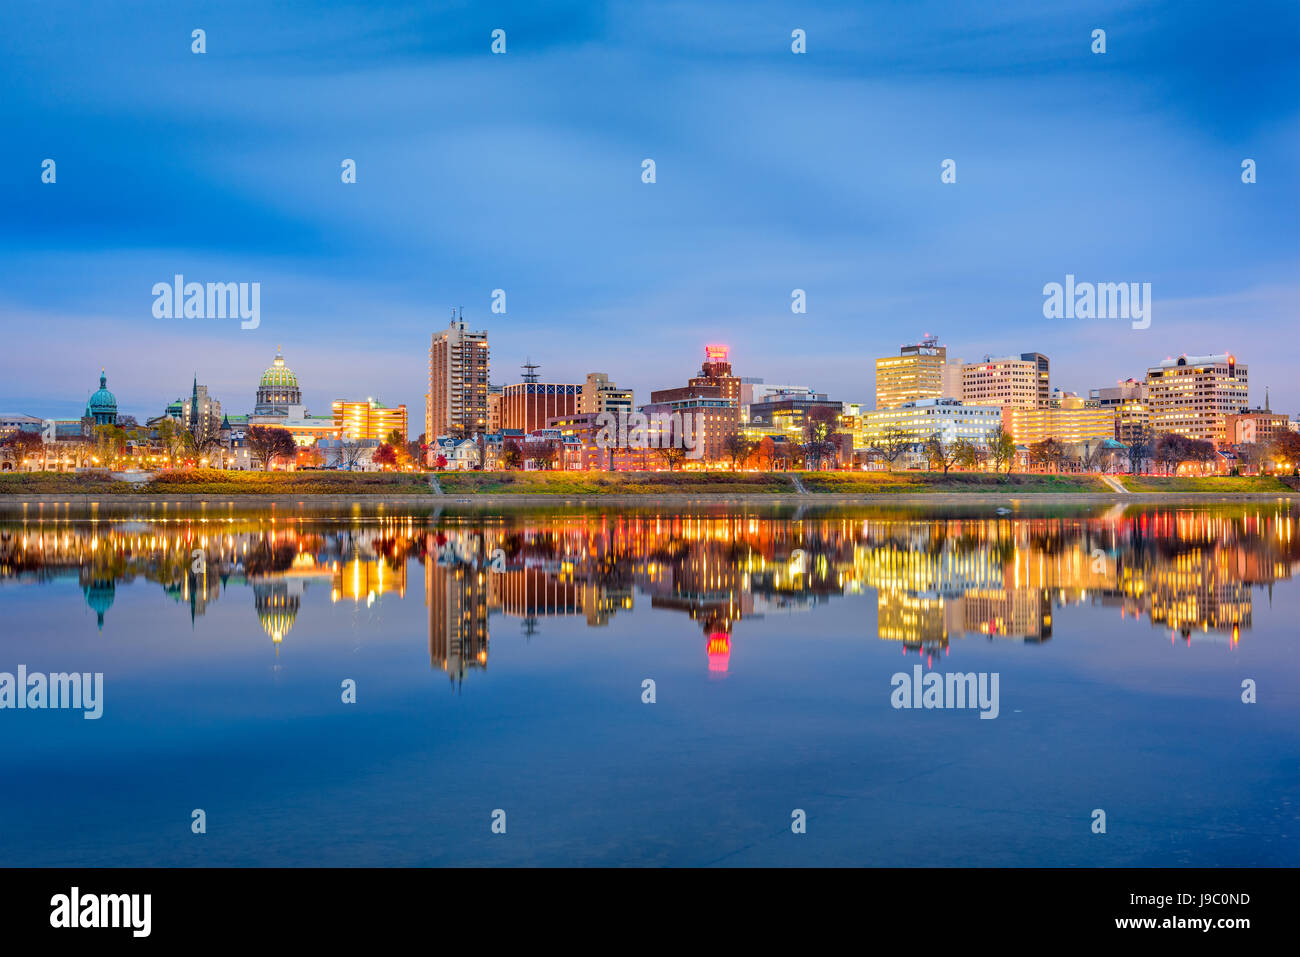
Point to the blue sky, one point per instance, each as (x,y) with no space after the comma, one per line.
(775,171)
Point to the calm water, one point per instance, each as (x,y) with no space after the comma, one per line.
(1121,640)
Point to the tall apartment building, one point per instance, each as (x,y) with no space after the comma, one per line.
(368,419)
(458,382)
(916,373)
(1004,381)
(1194,395)
(599,394)
(528,406)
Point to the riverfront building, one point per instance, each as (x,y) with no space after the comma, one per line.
(368,420)
(1005,381)
(951,419)
(1193,396)
(915,374)
(457,400)
(1068,420)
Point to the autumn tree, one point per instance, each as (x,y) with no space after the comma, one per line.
(1002,448)
(941,453)
(267,443)
(738,447)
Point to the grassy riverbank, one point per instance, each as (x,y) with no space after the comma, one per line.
(594,484)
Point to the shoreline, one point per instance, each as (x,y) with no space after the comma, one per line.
(12,503)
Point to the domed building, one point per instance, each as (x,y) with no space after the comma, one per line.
(102,406)
(278,389)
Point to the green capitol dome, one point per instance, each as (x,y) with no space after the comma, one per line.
(279,375)
(278,389)
(102,406)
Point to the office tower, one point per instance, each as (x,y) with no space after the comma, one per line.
(916,373)
(1193,396)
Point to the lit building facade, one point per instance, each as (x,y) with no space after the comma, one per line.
(1193,396)
(1070,420)
(1131,403)
(1043,377)
(951,419)
(1005,381)
(1260,426)
(368,419)
(915,374)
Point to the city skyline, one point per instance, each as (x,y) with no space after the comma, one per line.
(776,172)
(234,405)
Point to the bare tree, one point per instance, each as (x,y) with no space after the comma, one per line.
(890,446)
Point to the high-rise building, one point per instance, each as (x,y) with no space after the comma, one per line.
(1193,396)
(368,419)
(1002,381)
(457,401)
(1042,368)
(914,374)
(599,394)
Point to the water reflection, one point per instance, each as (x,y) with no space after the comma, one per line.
(1190,572)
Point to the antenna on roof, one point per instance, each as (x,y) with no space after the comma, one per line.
(530,370)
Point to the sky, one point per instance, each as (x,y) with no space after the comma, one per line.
(522,171)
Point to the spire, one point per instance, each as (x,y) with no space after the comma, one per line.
(103,379)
